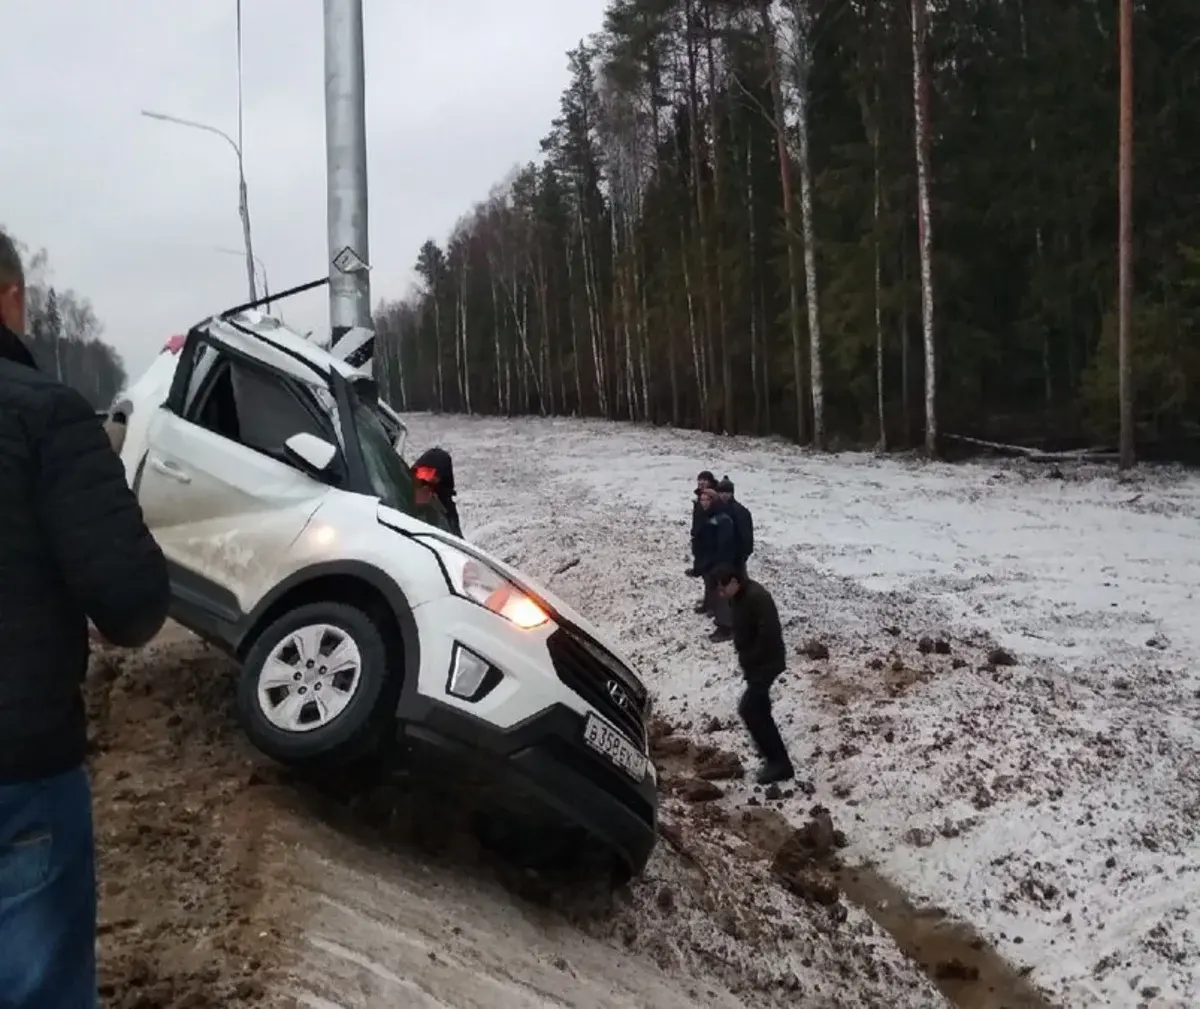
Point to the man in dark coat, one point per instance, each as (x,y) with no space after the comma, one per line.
(717,546)
(428,506)
(705,479)
(743,522)
(73,546)
(758,640)
(438,460)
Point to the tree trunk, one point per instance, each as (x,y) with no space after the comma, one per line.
(753,286)
(437,347)
(1125,239)
(594,323)
(544,316)
(458,347)
(701,216)
(728,420)
(905,344)
(925,218)
(501,377)
(803,70)
(877,248)
(466,358)
(654,85)
(785,182)
(574,333)
(1038,243)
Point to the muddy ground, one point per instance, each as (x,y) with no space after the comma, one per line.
(227,882)
(187,915)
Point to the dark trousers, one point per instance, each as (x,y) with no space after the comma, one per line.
(718,605)
(755,711)
(47,894)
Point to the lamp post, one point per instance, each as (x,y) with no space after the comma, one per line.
(243,203)
(262,269)
(346,175)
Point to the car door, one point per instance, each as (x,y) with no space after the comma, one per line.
(217,488)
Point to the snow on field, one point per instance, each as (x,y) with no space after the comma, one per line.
(1054,803)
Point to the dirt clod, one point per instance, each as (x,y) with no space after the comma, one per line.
(720,766)
(659,728)
(670,746)
(698,790)
(815,650)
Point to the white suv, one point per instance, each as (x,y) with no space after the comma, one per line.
(271,475)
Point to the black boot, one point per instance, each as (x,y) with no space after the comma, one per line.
(774,771)
(721,635)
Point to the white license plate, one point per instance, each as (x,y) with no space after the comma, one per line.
(606,740)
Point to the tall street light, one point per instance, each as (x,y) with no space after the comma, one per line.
(243,204)
(243,201)
(262,269)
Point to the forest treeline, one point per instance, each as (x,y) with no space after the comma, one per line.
(725,225)
(65,336)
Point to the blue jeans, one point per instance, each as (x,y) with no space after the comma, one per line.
(47,894)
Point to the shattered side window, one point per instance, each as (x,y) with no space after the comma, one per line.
(328,403)
(206,355)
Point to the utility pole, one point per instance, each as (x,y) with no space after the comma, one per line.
(1125,239)
(346,168)
(243,200)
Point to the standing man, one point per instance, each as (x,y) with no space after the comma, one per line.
(717,546)
(705,479)
(758,639)
(743,522)
(73,545)
(438,462)
(428,506)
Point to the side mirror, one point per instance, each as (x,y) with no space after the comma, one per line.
(315,453)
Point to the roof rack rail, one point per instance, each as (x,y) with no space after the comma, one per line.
(312,285)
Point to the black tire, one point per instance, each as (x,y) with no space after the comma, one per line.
(360,727)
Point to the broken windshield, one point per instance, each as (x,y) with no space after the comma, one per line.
(387,471)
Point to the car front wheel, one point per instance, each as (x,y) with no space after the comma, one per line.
(316,685)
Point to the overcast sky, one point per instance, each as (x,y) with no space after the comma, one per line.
(133,211)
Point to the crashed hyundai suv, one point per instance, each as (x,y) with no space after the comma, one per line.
(271,474)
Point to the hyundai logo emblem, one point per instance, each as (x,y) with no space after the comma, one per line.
(619,695)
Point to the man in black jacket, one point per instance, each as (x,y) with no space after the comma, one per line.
(743,522)
(438,460)
(703,481)
(716,546)
(73,546)
(758,639)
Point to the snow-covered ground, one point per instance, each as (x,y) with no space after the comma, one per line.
(1055,803)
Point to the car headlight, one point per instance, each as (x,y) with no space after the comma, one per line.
(478,581)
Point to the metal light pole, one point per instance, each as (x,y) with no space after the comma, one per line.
(243,203)
(346,170)
(261,267)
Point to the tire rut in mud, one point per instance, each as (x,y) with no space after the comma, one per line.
(967,971)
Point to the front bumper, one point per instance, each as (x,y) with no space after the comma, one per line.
(543,760)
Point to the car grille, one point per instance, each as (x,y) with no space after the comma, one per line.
(580,666)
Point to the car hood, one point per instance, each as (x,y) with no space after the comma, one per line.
(398,520)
